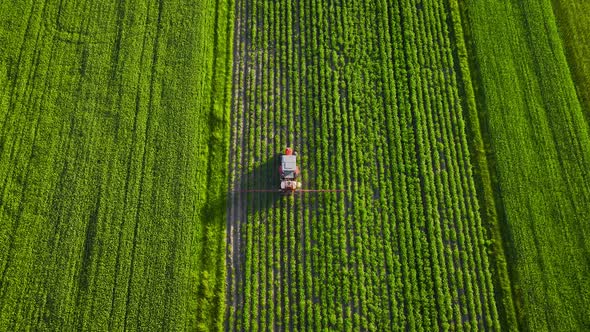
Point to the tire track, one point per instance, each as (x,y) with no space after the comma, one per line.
(232,228)
(144,154)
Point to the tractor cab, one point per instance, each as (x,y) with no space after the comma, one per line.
(288,168)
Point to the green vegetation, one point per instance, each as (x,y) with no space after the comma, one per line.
(370,93)
(540,147)
(574,28)
(113,149)
(131,130)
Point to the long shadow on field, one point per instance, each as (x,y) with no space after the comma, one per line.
(264,176)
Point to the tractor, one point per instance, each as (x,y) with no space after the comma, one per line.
(289,172)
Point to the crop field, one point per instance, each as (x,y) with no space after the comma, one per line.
(369,94)
(112,158)
(575,33)
(140,144)
(540,146)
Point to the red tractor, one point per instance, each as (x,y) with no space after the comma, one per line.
(289,171)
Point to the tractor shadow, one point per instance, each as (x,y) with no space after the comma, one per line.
(264,176)
(241,202)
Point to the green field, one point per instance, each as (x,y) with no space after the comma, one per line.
(575,32)
(131,132)
(113,121)
(369,93)
(540,145)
